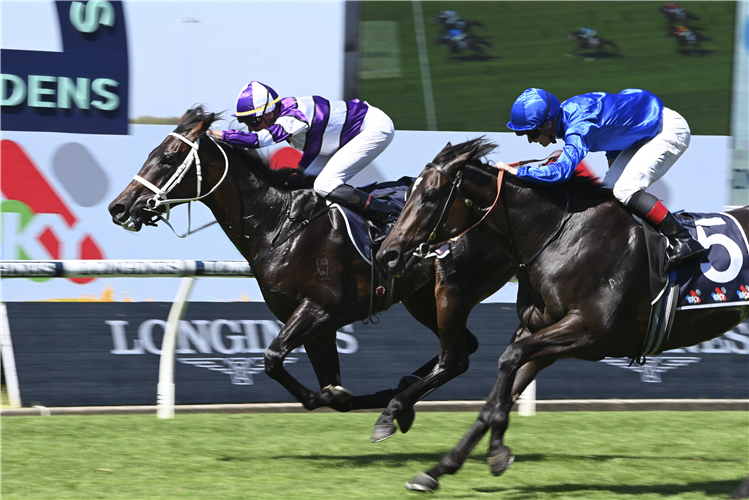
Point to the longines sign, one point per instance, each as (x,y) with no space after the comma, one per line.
(70,354)
(84,88)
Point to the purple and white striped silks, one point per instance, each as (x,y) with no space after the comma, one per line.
(313,124)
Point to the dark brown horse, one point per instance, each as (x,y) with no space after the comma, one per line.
(582,268)
(596,43)
(257,208)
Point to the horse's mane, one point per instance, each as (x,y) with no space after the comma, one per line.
(579,186)
(284,178)
(193,117)
(478,149)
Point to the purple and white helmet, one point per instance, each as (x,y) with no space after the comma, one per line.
(255,100)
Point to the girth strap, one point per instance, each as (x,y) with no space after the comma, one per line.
(277,243)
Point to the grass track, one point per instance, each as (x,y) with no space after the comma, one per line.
(601,456)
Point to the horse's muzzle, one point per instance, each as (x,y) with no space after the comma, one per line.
(390,260)
(124,217)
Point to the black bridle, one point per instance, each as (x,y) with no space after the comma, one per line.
(424,248)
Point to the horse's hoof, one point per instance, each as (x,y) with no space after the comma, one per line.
(383,431)
(406,419)
(501,461)
(423,482)
(337,394)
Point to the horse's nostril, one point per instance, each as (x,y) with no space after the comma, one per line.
(117,210)
(390,257)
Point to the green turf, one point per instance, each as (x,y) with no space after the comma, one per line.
(597,456)
(530,43)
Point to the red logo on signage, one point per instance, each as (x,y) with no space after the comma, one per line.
(23,182)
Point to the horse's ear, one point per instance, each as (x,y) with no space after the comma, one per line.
(197,130)
(460,159)
(447,146)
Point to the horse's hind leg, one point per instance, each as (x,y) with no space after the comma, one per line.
(322,352)
(305,324)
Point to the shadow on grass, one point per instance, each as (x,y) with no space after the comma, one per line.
(695,52)
(474,57)
(403,458)
(666,490)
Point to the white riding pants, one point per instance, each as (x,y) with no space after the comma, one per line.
(376,134)
(636,169)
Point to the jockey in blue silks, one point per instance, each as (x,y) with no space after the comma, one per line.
(642,140)
(337,139)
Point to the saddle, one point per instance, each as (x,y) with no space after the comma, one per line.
(367,235)
(718,278)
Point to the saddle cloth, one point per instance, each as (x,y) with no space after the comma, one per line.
(721,276)
(391,192)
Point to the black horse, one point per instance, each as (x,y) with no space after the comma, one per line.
(599,45)
(582,268)
(689,40)
(459,42)
(256,206)
(676,14)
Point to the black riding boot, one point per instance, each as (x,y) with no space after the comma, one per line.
(362,202)
(649,208)
(683,246)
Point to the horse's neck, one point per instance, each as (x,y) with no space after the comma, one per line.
(529,220)
(248,208)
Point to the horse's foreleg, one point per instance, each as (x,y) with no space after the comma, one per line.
(307,323)
(456,344)
(454,460)
(560,340)
(455,295)
(526,373)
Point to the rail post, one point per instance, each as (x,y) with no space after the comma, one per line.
(527,401)
(165,388)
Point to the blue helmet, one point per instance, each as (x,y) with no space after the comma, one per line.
(532,109)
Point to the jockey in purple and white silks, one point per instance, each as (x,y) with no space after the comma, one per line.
(337,139)
(642,140)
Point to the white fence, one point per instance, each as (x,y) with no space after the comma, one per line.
(188,270)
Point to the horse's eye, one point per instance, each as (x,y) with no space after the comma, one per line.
(430,198)
(167,159)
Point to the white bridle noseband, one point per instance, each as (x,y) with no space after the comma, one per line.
(160,198)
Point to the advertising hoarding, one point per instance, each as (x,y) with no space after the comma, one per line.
(108,354)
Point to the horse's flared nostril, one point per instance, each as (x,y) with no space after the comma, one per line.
(118,211)
(389,259)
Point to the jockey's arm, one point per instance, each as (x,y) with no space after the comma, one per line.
(283,129)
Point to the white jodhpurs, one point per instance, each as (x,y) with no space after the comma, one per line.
(376,134)
(636,169)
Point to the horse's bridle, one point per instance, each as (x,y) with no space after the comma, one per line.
(160,198)
(423,250)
